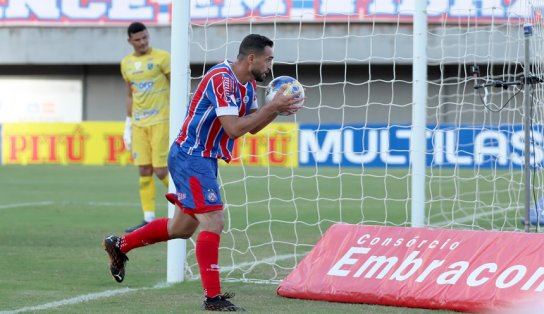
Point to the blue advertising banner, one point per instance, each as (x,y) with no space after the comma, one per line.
(383,145)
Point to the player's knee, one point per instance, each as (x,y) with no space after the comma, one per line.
(180,230)
(181,236)
(161,173)
(177,233)
(215,226)
(146,170)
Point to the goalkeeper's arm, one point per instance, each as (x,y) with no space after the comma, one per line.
(127,134)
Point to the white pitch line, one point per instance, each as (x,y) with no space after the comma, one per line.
(75,300)
(47,203)
(8,206)
(263,261)
(473,217)
(110,293)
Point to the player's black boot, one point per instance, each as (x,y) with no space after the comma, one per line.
(118,259)
(136,227)
(220,303)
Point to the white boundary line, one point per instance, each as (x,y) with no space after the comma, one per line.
(111,293)
(47,203)
(9,206)
(473,217)
(75,300)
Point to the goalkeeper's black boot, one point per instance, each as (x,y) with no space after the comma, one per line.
(220,303)
(136,227)
(118,259)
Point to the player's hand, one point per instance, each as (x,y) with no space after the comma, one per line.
(286,105)
(291,111)
(127,134)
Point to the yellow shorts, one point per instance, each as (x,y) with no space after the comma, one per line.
(150,144)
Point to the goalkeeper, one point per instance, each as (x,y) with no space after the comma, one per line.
(223,108)
(146,72)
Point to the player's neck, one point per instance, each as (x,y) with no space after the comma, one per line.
(139,54)
(240,70)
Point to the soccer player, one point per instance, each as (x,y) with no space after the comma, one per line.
(146,72)
(223,108)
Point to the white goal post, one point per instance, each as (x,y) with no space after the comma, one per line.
(179,92)
(414,116)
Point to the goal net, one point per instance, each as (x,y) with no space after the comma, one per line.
(344,158)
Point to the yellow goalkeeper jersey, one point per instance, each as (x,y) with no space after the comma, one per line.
(150,86)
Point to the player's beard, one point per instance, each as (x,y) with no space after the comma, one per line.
(259,76)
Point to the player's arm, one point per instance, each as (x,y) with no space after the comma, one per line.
(129,98)
(165,66)
(236,126)
(127,133)
(261,126)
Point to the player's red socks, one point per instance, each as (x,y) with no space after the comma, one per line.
(153,232)
(207,255)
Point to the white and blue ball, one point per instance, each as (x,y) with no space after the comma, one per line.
(293,88)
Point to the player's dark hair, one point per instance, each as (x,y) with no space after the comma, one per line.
(135,27)
(254,43)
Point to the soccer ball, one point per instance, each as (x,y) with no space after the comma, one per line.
(293,87)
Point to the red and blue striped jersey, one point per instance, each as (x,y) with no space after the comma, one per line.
(219,93)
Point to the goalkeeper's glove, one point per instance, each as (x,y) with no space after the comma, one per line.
(127,135)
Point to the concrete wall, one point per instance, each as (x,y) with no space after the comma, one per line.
(361,78)
(311,42)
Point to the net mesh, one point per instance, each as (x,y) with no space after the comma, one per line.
(344,158)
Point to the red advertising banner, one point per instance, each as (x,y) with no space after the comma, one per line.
(459,270)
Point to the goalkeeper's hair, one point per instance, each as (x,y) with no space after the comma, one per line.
(254,43)
(135,27)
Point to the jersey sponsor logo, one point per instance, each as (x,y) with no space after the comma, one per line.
(222,86)
(226,84)
(233,99)
(228,87)
(145,114)
(143,87)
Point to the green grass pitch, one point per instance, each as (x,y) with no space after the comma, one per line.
(53,219)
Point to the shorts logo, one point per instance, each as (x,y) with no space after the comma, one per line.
(181,196)
(211,196)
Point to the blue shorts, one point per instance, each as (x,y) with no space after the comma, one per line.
(195,178)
